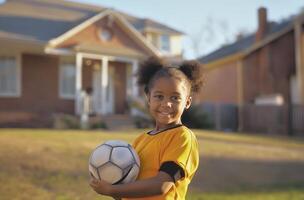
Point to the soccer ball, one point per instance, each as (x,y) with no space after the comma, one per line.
(115,162)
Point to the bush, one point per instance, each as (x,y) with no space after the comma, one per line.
(194,117)
(65,121)
(98,125)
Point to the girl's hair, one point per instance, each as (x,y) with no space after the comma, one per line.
(189,71)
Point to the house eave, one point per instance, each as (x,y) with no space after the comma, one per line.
(160,31)
(58,51)
(23,40)
(23,45)
(220,62)
(124,52)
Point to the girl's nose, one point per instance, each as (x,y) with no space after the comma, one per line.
(167,103)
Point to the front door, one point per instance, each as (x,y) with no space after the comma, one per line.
(120,88)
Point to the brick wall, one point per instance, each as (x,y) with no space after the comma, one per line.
(39,93)
(221,85)
(267,70)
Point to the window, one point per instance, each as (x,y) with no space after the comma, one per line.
(165,43)
(9,77)
(67,80)
(106,34)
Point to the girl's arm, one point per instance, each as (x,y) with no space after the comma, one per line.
(157,185)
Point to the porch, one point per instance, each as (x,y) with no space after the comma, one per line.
(57,84)
(103,84)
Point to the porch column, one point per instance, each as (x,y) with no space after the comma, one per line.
(299,53)
(104,83)
(78,80)
(135,91)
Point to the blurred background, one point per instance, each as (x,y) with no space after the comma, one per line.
(67,83)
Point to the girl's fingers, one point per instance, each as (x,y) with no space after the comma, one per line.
(93,182)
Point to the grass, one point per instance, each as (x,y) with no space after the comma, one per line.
(52,164)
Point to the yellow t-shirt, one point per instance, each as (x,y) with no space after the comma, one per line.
(177,144)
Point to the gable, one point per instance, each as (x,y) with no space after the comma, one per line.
(90,40)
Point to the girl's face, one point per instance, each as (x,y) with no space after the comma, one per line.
(167,100)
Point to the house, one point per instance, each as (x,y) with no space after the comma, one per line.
(262,75)
(53,50)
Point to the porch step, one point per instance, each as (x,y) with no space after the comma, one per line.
(116,122)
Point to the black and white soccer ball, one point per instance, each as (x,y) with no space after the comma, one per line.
(115,162)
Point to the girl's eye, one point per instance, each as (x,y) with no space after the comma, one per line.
(175,98)
(158,96)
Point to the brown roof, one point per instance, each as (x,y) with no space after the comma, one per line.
(121,51)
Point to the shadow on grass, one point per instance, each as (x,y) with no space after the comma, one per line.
(227,174)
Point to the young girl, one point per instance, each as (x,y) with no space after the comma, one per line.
(169,153)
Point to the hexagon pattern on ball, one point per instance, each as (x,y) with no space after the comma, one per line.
(122,156)
(115,162)
(101,156)
(110,173)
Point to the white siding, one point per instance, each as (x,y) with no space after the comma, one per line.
(176,45)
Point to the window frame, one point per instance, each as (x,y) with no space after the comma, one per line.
(105,34)
(63,95)
(16,93)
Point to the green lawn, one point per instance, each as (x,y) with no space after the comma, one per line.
(52,164)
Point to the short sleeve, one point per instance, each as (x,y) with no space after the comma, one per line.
(180,149)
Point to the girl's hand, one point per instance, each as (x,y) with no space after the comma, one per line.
(100,186)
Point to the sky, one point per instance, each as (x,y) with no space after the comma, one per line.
(207,24)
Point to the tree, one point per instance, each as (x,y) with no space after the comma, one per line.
(210,32)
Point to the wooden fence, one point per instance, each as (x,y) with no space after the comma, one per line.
(266,119)
(298,119)
(257,118)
